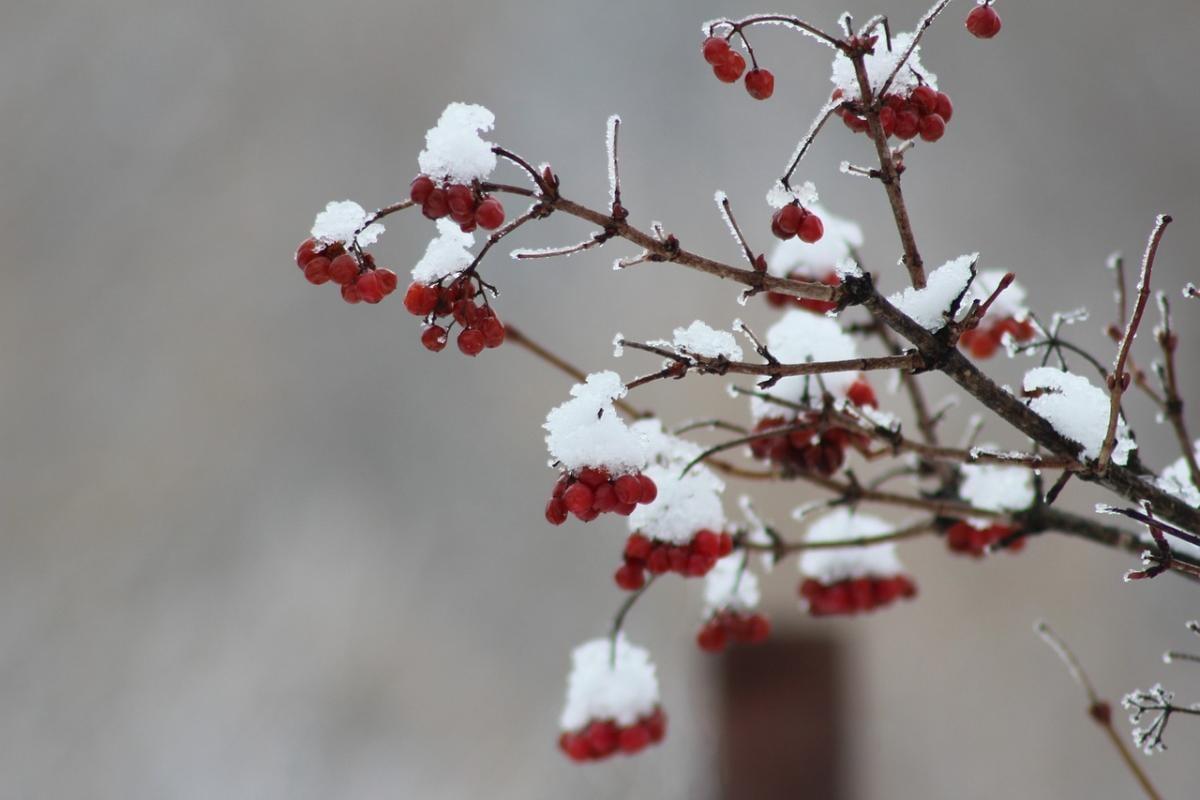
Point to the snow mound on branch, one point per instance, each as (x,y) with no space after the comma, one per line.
(995,487)
(448,253)
(665,448)
(685,504)
(880,65)
(1176,480)
(846,563)
(928,307)
(700,340)
(798,337)
(587,431)
(813,261)
(454,149)
(600,688)
(339,221)
(1077,410)
(1009,303)
(729,585)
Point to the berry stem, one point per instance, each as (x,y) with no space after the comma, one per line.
(619,618)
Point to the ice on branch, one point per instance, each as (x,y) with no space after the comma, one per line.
(779,195)
(587,431)
(729,585)
(1077,410)
(341,221)
(880,65)
(929,306)
(699,339)
(1176,480)
(995,487)
(799,337)
(610,142)
(832,565)
(454,149)
(794,257)
(448,253)
(685,504)
(1009,303)
(601,688)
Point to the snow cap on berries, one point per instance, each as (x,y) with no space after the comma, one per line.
(814,260)
(1077,410)
(448,253)
(587,431)
(1176,480)
(995,487)
(929,306)
(798,337)
(833,565)
(601,688)
(665,448)
(454,149)
(339,221)
(684,505)
(728,585)
(880,65)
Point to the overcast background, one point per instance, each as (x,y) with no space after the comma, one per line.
(257,543)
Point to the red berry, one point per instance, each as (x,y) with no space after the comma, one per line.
(811,228)
(712,638)
(387,280)
(306,252)
(932,127)
(343,269)
(628,489)
(861,394)
(677,557)
(434,338)
(593,477)
(575,746)
(625,509)
(470,342)
(350,293)
(633,739)
(601,738)
(420,299)
(637,547)
(760,83)
(649,490)
(725,545)
(604,498)
(630,577)
(656,725)
(317,270)
(887,120)
(925,99)
(578,499)
(493,332)
(556,511)
(757,629)
(908,124)
(731,68)
(460,200)
(706,543)
(368,287)
(490,214)
(716,50)
(435,205)
(419,189)
(983,22)
(944,108)
(659,560)
(788,219)
(984,344)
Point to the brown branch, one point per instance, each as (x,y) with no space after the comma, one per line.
(784,548)
(1173,406)
(922,26)
(736,26)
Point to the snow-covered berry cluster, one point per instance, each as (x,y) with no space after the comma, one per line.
(924,112)
(851,580)
(593,491)
(466,205)
(854,596)
(797,260)
(726,627)
(691,560)
(460,300)
(983,22)
(805,449)
(603,738)
(728,65)
(972,540)
(333,253)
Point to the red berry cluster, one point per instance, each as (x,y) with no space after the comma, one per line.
(593,491)
(361,280)
(464,204)
(795,220)
(480,326)
(925,113)
(983,22)
(728,66)
(855,595)
(779,300)
(731,626)
(603,738)
(810,448)
(691,560)
(963,537)
(983,340)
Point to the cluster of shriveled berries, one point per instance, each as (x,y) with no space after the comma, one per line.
(963,537)
(983,340)
(983,22)
(691,560)
(728,66)
(361,281)
(855,595)
(593,491)
(602,738)
(809,448)
(464,204)
(731,626)
(925,113)
(795,220)
(779,300)
(480,326)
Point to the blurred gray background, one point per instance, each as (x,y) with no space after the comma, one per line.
(257,543)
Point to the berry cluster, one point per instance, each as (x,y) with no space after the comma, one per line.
(728,66)
(983,22)
(795,220)
(810,448)
(728,626)
(600,739)
(779,300)
(691,560)
(464,204)
(361,280)
(983,340)
(593,491)
(963,537)
(925,112)
(855,595)
(480,326)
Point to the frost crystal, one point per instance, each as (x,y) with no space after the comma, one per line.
(928,307)
(813,261)
(610,142)
(600,688)
(701,340)
(454,149)
(684,504)
(1176,480)
(994,487)
(1077,410)
(799,337)
(730,585)
(448,253)
(339,222)
(845,563)
(587,431)
(779,196)
(879,67)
